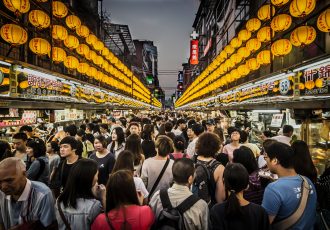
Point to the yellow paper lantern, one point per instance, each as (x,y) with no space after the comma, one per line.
(105,52)
(236,58)
(301,8)
(229,64)
(71,42)
(244,35)
(91,72)
(71,62)
(92,55)
(39,46)
(303,35)
(253,64)
(253,24)
(235,74)
(83,49)
(59,9)
(235,42)
(229,49)
(14,34)
(98,45)
(82,31)
(73,22)
(263,57)
(281,47)
(279,2)
(59,32)
(281,22)
(98,60)
(58,54)
(91,39)
(253,44)
(243,70)
(105,65)
(323,21)
(264,12)
(320,83)
(39,19)
(244,52)
(17,6)
(263,34)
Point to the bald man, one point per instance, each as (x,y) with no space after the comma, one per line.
(17,194)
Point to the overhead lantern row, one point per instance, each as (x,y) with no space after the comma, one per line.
(233,61)
(93,58)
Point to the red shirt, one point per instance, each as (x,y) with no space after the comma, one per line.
(139,218)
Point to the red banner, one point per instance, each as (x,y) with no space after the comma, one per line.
(193,52)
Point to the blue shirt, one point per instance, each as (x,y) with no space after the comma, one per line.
(41,201)
(282,197)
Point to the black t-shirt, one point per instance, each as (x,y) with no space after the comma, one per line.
(65,169)
(256,218)
(105,166)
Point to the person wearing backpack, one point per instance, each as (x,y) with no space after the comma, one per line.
(177,207)
(208,183)
(39,168)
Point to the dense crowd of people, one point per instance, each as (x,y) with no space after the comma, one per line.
(163,171)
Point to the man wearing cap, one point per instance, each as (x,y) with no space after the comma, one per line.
(210,125)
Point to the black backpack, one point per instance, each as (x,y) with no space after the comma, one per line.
(172,218)
(204,185)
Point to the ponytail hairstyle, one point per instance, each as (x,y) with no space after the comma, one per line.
(236,179)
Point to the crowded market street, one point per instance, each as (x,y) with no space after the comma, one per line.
(164,114)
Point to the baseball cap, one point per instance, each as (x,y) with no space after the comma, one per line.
(210,122)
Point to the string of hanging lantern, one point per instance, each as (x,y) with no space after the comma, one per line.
(221,72)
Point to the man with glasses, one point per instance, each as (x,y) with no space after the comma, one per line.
(282,197)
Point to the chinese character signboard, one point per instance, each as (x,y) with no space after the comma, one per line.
(315,81)
(194,52)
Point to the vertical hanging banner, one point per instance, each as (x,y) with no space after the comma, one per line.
(194,52)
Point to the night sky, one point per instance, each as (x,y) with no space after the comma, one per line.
(166,22)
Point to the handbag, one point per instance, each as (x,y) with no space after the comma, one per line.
(294,217)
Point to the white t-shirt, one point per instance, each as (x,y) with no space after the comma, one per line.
(139,185)
(283,139)
(177,132)
(191,149)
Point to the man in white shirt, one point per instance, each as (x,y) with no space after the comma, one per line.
(180,126)
(287,135)
(197,129)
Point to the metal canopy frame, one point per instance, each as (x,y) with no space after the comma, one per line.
(119,40)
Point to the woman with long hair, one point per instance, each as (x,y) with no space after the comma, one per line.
(104,159)
(79,204)
(125,160)
(123,206)
(255,192)
(39,168)
(133,144)
(117,144)
(303,163)
(148,144)
(5,150)
(236,212)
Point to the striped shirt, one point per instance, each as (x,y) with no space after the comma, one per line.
(41,201)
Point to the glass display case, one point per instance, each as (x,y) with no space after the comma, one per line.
(317,136)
